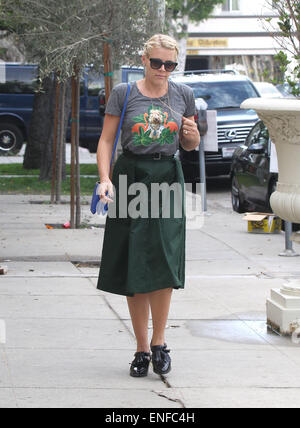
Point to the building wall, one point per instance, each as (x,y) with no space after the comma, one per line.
(238,38)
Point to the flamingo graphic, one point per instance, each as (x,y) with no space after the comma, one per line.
(136,128)
(171,125)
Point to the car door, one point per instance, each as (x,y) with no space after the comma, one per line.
(257,163)
(17,89)
(93,121)
(242,163)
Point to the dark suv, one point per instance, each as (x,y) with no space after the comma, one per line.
(223,92)
(17,88)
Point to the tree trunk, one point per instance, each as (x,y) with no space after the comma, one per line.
(61,151)
(40,125)
(107,69)
(73,148)
(54,157)
(78,202)
(47,152)
(182,54)
(39,148)
(183,43)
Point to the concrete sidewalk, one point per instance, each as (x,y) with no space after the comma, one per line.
(69,345)
(85,156)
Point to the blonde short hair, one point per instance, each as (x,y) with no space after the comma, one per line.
(160,41)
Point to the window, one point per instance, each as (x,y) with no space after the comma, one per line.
(18,80)
(95,83)
(229,5)
(218,95)
(134,75)
(258,135)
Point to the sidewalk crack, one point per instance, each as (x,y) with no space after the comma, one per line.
(174,400)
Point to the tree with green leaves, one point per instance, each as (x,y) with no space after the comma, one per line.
(9,48)
(285,29)
(180,13)
(63,37)
(59,36)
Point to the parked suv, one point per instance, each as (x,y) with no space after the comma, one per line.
(224,92)
(17,87)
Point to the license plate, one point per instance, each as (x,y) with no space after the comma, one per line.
(227,152)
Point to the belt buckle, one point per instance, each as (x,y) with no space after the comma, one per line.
(157,156)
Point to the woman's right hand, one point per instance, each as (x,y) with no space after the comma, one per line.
(106,186)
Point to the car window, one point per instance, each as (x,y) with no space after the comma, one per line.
(82,87)
(95,83)
(18,80)
(258,135)
(133,76)
(223,94)
(267,89)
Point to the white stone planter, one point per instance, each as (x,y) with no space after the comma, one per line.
(282,118)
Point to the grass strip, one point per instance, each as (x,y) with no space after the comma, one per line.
(31,185)
(17,169)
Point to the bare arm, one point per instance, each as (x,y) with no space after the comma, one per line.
(106,143)
(104,153)
(191,140)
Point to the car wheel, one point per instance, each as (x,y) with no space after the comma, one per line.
(237,204)
(295,226)
(93,146)
(11,139)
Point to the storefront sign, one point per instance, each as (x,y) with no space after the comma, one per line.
(206,43)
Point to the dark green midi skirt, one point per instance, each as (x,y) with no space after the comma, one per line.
(144,253)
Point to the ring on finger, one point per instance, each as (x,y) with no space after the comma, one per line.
(186,132)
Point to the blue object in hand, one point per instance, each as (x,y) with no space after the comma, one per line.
(97,205)
(102,208)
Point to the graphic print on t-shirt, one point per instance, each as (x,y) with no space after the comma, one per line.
(155,126)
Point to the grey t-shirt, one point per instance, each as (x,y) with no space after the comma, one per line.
(152,125)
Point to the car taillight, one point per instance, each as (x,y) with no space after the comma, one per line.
(101,100)
(102,104)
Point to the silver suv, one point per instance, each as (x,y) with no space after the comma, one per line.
(224,92)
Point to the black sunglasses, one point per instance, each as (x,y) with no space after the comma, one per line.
(156,64)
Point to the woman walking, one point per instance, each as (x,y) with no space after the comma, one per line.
(143,257)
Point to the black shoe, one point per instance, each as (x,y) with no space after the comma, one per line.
(161,360)
(140,365)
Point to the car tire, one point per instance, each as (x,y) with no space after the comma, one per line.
(11,139)
(295,226)
(237,204)
(93,147)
